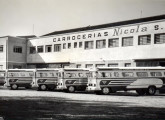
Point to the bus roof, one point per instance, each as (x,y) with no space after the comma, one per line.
(21,69)
(75,69)
(47,69)
(131,68)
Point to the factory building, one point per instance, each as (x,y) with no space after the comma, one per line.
(139,42)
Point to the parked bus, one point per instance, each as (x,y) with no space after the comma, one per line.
(2,77)
(73,79)
(143,80)
(19,78)
(45,79)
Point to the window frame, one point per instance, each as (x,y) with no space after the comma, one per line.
(100,44)
(160,42)
(114,44)
(57,47)
(1,48)
(33,49)
(129,41)
(17,49)
(47,47)
(144,41)
(88,46)
(39,48)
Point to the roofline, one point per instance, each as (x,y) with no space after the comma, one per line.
(139,20)
(12,37)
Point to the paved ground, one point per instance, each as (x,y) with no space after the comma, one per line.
(39,105)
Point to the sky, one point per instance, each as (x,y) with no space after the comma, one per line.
(39,17)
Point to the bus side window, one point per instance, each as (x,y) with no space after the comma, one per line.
(56,74)
(156,74)
(30,74)
(67,75)
(142,74)
(41,74)
(127,74)
(22,74)
(107,75)
(116,74)
(51,74)
(73,75)
(99,74)
(80,74)
(87,74)
(103,74)
(2,74)
(11,74)
(59,74)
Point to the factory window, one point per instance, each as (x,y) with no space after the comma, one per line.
(40,49)
(75,44)
(64,46)
(89,65)
(144,40)
(113,42)
(32,50)
(100,65)
(69,45)
(78,66)
(127,41)
(57,47)
(1,48)
(80,44)
(17,49)
(113,65)
(89,45)
(127,64)
(159,38)
(48,48)
(100,44)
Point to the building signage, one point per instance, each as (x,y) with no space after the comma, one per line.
(108,33)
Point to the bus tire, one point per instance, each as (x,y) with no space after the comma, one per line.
(43,87)
(14,86)
(71,89)
(151,90)
(141,92)
(105,91)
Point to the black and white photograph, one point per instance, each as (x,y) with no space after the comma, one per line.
(82,59)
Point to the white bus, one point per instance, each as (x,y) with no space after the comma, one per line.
(2,77)
(73,79)
(45,79)
(16,78)
(143,80)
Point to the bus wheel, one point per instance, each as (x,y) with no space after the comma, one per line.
(141,92)
(71,89)
(151,90)
(105,91)
(43,87)
(14,86)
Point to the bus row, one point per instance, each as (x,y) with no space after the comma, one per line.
(103,80)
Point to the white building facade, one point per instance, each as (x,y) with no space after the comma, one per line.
(13,52)
(139,42)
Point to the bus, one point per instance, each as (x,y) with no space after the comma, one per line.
(2,77)
(45,79)
(73,79)
(144,80)
(16,78)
